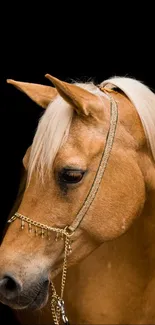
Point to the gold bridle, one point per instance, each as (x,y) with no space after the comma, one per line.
(57,302)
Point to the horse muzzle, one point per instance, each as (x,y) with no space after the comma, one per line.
(20,296)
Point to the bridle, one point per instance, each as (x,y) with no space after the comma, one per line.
(57,303)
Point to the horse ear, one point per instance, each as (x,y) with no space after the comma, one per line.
(82,100)
(40,94)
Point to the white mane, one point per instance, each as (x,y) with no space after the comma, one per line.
(54,125)
(144,101)
(52,132)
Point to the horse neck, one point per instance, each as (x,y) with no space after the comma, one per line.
(144,227)
(147,226)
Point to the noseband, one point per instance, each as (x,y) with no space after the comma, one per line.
(57,303)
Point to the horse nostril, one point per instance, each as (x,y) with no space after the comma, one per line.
(10,284)
(9,287)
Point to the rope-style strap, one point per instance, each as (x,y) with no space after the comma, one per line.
(102,166)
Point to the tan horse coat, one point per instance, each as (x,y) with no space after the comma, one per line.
(112,279)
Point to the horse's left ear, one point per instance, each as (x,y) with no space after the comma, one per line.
(81,99)
(40,94)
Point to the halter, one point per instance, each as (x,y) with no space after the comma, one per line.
(57,303)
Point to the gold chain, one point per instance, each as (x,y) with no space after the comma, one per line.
(57,303)
(63,231)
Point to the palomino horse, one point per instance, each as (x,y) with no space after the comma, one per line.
(90,188)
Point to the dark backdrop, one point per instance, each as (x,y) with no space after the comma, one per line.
(79,56)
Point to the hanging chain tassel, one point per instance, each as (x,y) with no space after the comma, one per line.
(57,236)
(22,224)
(69,248)
(30,227)
(48,235)
(42,233)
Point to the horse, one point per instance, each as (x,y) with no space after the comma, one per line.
(80,246)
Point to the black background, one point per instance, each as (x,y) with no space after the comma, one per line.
(68,48)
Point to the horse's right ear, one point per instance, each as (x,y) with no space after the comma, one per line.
(40,94)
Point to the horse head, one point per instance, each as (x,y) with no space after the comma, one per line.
(62,166)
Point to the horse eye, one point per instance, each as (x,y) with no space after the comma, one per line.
(70,176)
